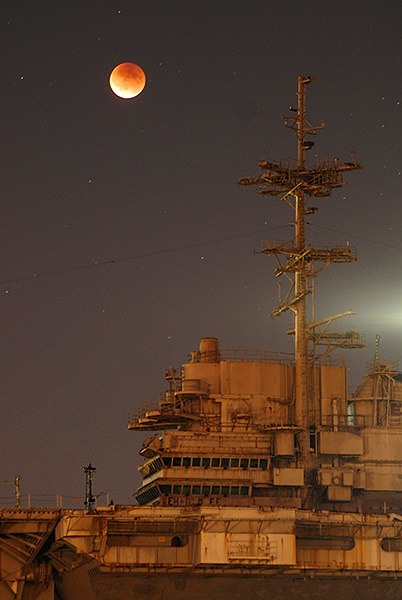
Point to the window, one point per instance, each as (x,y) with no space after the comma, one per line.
(215,462)
(225,490)
(177,489)
(154,492)
(264,464)
(234,463)
(391,544)
(253,463)
(196,461)
(196,489)
(148,495)
(186,490)
(313,438)
(176,542)
(234,490)
(156,466)
(244,463)
(167,461)
(206,490)
(215,490)
(177,461)
(206,462)
(244,490)
(165,489)
(225,463)
(186,461)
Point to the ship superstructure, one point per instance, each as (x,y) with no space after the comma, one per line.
(231,437)
(261,476)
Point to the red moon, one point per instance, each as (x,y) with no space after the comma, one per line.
(127,80)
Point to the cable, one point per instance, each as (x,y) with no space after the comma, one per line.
(133,257)
(176,249)
(358,237)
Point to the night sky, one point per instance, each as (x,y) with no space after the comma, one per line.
(124,235)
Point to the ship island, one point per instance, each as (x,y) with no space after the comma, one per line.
(262,476)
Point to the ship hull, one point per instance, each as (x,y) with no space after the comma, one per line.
(133,553)
(194,586)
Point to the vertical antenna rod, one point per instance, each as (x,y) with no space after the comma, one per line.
(17,491)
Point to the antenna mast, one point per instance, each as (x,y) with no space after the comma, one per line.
(90,499)
(298,184)
(300,277)
(17,491)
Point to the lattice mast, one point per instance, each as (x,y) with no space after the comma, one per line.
(298,184)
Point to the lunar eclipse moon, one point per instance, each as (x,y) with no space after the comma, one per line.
(127,80)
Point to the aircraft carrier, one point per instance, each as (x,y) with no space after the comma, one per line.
(261,477)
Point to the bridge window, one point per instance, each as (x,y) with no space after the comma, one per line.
(253,463)
(225,463)
(215,462)
(244,463)
(206,490)
(215,490)
(147,495)
(206,462)
(196,461)
(177,461)
(186,461)
(234,463)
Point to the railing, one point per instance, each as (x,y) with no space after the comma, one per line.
(346,421)
(47,501)
(257,355)
(141,412)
